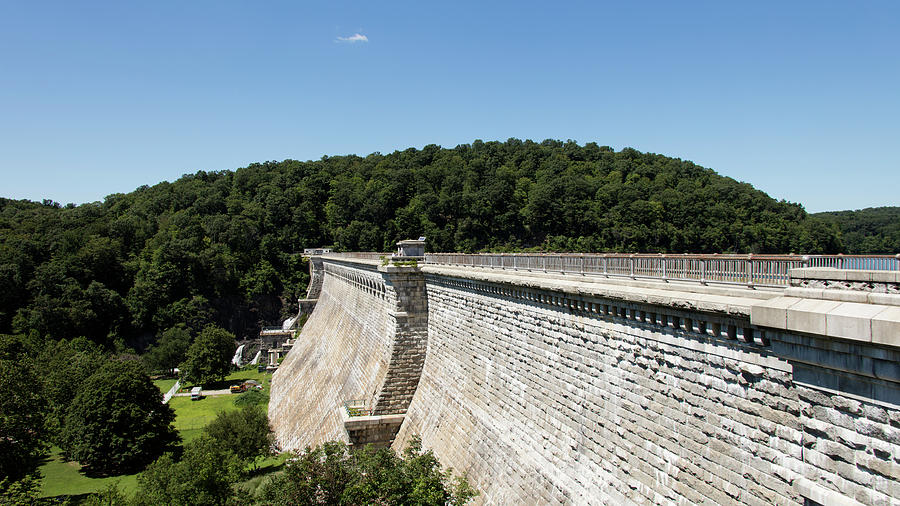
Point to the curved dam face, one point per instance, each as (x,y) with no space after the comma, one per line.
(342,354)
(363,343)
(564,390)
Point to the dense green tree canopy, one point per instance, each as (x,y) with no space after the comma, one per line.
(245,432)
(866,231)
(224,247)
(203,476)
(170,349)
(23,412)
(64,367)
(209,357)
(117,422)
(333,474)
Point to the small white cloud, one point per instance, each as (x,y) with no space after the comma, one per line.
(356,37)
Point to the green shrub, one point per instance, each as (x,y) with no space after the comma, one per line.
(252,397)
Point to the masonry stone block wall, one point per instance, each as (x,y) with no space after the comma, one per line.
(410,315)
(564,395)
(316,277)
(550,397)
(366,341)
(558,389)
(343,353)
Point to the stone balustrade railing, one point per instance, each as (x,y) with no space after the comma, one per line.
(359,255)
(750,270)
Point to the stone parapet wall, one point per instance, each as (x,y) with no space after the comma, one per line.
(377,430)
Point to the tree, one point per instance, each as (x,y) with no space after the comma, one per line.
(245,432)
(864,231)
(65,365)
(333,474)
(203,476)
(109,496)
(117,423)
(170,350)
(209,358)
(23,411)
(23,492)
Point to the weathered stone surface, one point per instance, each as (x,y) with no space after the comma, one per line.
(342,354)
(498,376)
(547,390)
(886,327)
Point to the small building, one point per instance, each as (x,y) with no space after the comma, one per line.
(411,248)
(196,392)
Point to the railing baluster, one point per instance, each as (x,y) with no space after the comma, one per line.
(750,270)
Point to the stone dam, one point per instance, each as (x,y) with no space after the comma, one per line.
(561,387)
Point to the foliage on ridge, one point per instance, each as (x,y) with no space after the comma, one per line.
(866,231)
(225,247)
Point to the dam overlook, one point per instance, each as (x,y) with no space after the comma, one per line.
(617,379)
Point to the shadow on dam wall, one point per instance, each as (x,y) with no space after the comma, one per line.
(560,389)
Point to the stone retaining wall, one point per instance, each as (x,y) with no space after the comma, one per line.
(365,341)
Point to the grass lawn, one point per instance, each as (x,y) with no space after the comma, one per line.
(264,470)
(192,416)
(164,385)
(63,478)
(234,378)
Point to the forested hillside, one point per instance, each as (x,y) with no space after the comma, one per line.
(224,247)
(866,231)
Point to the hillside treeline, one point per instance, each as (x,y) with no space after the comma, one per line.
(866,231)
(224,247)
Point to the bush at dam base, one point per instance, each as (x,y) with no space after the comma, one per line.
(334,473)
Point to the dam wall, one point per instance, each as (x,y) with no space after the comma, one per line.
(365,341)
(552,389)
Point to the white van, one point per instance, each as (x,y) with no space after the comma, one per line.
(196,392)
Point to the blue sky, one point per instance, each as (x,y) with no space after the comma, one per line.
(800,99)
